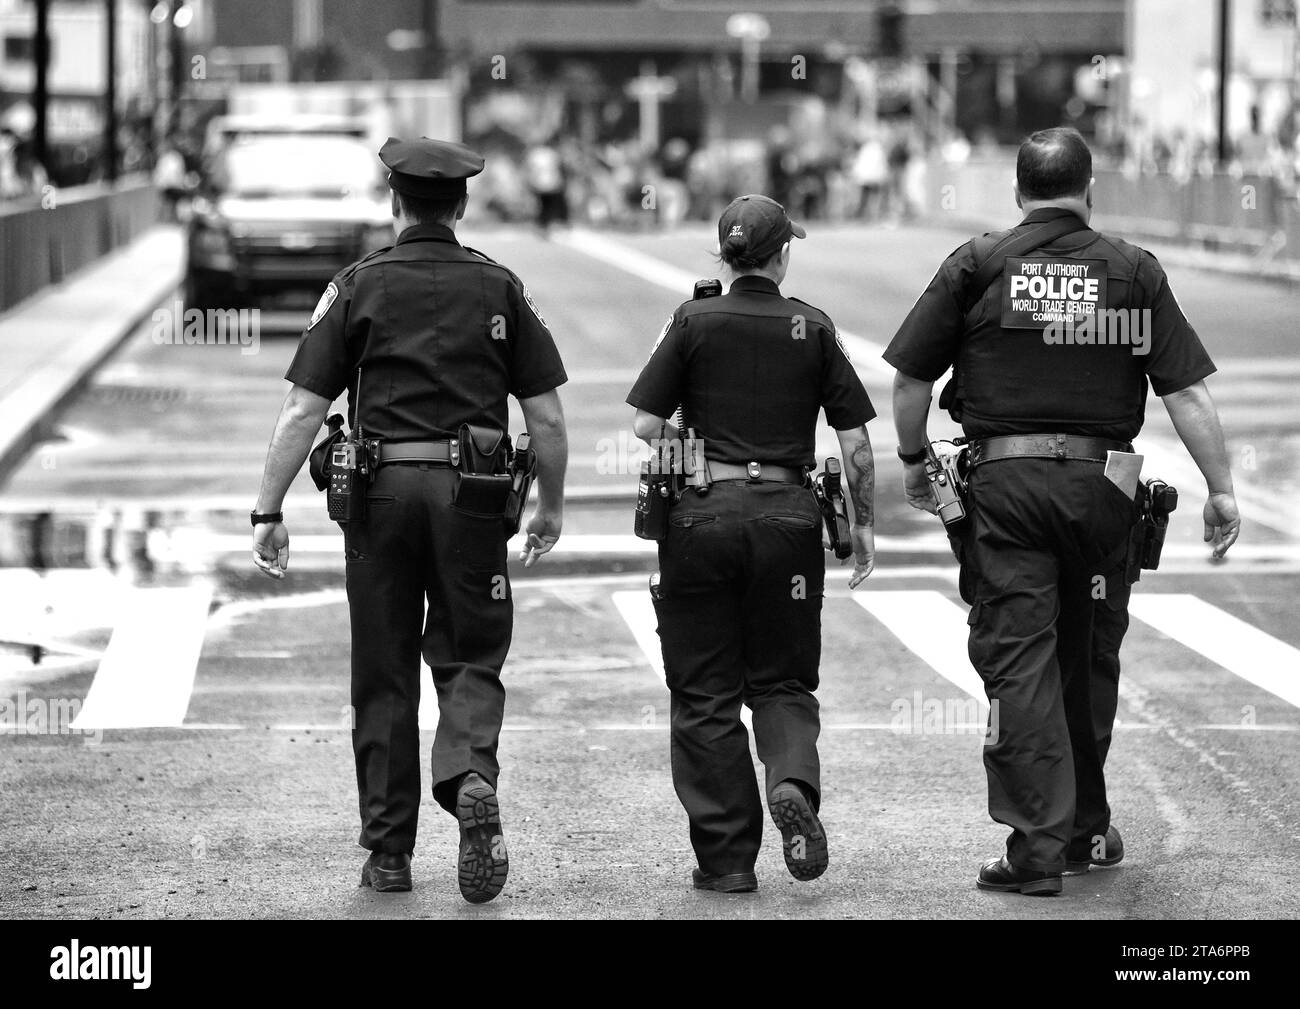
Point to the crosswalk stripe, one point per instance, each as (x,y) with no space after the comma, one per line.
(934,628)
(638,612)
(1239,647)
(147,673)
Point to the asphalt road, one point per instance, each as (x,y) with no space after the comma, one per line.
(249,764)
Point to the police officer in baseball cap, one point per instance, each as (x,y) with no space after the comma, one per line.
(414,334)
(742,571)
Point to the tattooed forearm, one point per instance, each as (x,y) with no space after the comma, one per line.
(861,474)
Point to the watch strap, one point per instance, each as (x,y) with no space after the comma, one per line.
(259,517)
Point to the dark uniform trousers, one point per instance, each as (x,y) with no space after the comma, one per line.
(742,575)
(1039,549)
(415,544)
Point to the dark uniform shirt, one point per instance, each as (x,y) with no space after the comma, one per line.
(1013,380)
(441,335)
(750,370)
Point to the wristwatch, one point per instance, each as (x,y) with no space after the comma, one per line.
(258,517)
(912,458)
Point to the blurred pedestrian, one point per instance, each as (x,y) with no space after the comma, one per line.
(544,172)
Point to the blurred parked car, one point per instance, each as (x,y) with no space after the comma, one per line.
(280,213)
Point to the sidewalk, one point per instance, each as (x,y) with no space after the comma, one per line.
(53,342)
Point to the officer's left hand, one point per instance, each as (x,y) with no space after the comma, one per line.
(543,532)
(864,554)
(271,548)
(916,488)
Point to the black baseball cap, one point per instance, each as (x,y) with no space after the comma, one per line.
(761,221)
(429,169)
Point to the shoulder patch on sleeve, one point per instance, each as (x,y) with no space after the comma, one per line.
(323,306)
(839,342)
(531,304)
(662,333)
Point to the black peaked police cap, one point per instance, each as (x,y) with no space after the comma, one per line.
(429,169)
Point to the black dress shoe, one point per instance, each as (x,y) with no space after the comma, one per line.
(732,882)
(483,863)
(803,841)
(1083,857)
(999,874)
(386,872)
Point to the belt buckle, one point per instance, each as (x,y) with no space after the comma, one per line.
(754,470)
(1058,446)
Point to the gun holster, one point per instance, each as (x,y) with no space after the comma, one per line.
(481,458)
(319,461)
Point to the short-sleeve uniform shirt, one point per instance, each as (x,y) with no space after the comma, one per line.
(1022,368)
(750,370)
(440,334)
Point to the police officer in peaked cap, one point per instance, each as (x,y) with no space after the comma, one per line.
(742,570)
(1044,545)
(427,337)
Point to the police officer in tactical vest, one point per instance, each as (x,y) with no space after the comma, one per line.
(429,338)
(1054,332)
(742,570)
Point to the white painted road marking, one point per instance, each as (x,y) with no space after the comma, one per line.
(1239,647)
(866,354)
(638,612)
(147,673)
(934,627)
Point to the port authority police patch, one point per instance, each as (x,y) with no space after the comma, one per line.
(323,306)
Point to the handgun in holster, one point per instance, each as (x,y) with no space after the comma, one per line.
(522,470)
(828,489)
(1155,500)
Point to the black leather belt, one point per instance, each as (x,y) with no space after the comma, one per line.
(754,472)
(1044,446)
(445,452)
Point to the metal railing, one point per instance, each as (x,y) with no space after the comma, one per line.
(1247,213)
(54,235)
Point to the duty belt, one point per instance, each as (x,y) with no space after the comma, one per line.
(754,472)
(445,452)
(1044,446)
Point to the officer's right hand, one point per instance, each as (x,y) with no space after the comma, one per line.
(543,530)
(271,548)
(916,488)
(864,554)
(1222,522)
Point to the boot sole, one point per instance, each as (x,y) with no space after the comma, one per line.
(484,862)
(796,821)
